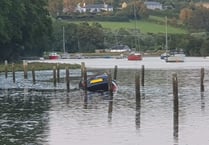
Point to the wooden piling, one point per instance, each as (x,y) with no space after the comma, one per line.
(67,79)
(142,76)
(110,85)
(175,107)
(137,89)
(25,69)
(85,84)
(175,85)
(202,74)
(13,72)
(58,73)
(115,72)
(6,68)
(138,116)
(33,75)
(110,106)
(54,76)
(82,69)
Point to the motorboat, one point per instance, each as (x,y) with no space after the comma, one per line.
(164,55)
(134,56)
(98,83)
(54,55)
(175,57)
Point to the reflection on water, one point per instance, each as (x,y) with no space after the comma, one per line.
(42,114)
(23,119)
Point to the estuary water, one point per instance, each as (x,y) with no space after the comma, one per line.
(42,114)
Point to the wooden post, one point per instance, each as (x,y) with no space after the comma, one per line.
(110,107)
(175,85)
(138,99)
(202,80)
(13,72)
(6,68)
(110,85)
(82,69)
(85,84)
(115,72)
(54,76)
(138,115)
(25,68)
(137,89)
(33,75)
(175,107)
(142,73)
(58,73)
(67,79)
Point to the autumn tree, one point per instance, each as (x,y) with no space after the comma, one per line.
(55,7)
(185,15)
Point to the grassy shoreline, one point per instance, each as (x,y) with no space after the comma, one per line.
(37,66)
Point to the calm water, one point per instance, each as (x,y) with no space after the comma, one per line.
(45,115)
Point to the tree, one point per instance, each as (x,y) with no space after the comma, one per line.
(55,7)
(25,28)
(90,37)
(196,17)
(185,15)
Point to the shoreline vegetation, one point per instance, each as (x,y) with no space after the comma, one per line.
(37,66)
(18,66)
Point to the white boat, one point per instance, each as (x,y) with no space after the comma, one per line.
(175,57)
(171,55)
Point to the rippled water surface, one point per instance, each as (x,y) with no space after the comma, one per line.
(43,114)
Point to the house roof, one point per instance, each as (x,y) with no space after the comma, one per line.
(152,3)
(98,6)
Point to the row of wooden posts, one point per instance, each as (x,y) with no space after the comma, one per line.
(138,80)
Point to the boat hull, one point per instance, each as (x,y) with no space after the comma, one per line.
(175,59)
(134,57)
(54,55)
(98,84)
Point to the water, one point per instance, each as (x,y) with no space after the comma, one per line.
(45,115)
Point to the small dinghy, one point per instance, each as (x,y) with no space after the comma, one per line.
(98,83)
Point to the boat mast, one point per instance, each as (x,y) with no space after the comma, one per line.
(166,34)
(63,38)
(135,26)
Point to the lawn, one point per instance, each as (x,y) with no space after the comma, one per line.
(144,26)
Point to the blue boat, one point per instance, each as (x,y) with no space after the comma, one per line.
(98,83)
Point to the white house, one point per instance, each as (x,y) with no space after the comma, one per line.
(94,8)
(153,5)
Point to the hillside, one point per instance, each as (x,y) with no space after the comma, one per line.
(143,26)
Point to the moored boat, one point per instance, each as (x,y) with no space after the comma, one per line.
(54,55)
(99,83)
(164,55)
(175,57)
(135,56)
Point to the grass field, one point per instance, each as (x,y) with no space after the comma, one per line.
(143,26)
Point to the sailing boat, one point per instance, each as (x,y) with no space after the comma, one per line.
(65,55)
(172,56)
(166,53)
(135,56)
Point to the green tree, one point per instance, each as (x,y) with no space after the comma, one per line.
(90,37)
(199,19)
(25,28)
